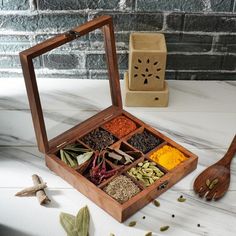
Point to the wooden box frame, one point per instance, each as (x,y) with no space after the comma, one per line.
(119,211)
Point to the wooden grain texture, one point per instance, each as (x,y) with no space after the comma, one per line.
(220,173)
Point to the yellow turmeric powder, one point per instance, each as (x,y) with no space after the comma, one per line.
(168,157)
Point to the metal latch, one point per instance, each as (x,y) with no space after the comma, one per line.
(163,185)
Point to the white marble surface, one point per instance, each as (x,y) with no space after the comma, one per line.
(201,116)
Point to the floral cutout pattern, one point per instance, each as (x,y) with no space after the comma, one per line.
(146,74)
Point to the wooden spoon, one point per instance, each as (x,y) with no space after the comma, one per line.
(214,181)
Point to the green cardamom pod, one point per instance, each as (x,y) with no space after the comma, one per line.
(156,203)
(111,234)
(213,183)
(68,223)
(164,228)
(181,199)
(82,222)
(208,182)
(148,234)
(132,223)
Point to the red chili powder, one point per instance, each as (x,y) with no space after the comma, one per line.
(120,126)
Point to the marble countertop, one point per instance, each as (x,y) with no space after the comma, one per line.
(201,116)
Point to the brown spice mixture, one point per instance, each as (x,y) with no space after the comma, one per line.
(122,188)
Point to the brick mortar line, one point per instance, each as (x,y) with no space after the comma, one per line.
(123,52)
(45,70)
(107,11)
(35,33)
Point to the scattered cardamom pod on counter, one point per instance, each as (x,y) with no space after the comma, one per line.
(164,228)
(148,234)
(76,225)
(156,203)
(132,223)
(181,199)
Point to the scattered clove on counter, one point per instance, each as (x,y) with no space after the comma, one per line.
(37,189)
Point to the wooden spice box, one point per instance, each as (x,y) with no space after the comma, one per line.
(78,178)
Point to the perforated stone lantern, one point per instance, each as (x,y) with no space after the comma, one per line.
(145,80)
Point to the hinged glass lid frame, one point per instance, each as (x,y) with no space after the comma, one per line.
(27,56)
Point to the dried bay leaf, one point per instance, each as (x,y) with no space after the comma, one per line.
(82,222)
(82,158)
(69,160)
(62,155)
(68,223)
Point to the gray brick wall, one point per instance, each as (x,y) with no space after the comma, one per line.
(200,36)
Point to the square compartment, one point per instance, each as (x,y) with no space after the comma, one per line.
(122,188)
(145,141)
(127,154)
(146,172)
(166,155)
(120,126)
(98,139)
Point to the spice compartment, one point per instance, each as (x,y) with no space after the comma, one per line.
(120,126)
(146,172)
(121,153)
(168,156)
(144,140)
(98,139)
(122,188)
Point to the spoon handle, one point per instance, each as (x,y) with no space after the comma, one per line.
(226,160)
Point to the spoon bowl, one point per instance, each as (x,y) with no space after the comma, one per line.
(214,181)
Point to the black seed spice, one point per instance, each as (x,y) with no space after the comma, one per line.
(98,139)
(144,142)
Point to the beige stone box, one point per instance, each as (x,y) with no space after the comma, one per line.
(147,61)
(145,98)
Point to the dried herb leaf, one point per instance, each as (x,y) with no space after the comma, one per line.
(68,223)
(82,222)
(82,158)
(76,149)
(156,203)
(208,182)
(132,223)
(164,228)
(181,199)
(148,234)
(69,160)
(62,155)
